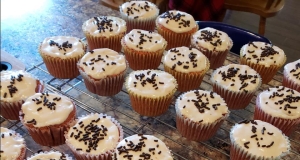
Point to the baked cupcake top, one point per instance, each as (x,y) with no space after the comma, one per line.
(146,41)
(139,10)
(104,26)
(263,53)
(142,146)
(11,144)
(94,134)
(177,21)
(237,78)
(201,106)
(293,71)
(101,63)
(186,60)
(151,83)
(259,138)
(51,155)
(62,47)
(46,109)
(280,102)
(17,85)
(212,39)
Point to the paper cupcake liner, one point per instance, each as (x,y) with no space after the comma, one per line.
(101,156)
(67,156)
(288,82)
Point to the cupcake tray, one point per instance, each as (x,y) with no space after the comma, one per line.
(163,127)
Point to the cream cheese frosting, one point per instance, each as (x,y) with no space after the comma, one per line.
(139,10)
(186,60)
(293,71)
(101,63)
(177,21)
(50,155)
(201,106)
(46,109)
(104,26)
(142,40)
(151,83)
(260,139)
(280,102)
(142,146)
(17,85)
(11,144)
(62,47)
(263,53)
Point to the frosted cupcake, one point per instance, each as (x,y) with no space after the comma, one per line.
(236,83)
(12,145)
(142,146)
(104,32)
(187,65)
(139,15)
(176,27)
(16,87)
(265,58)
(51,155)
(94,136)
(150,91)
(60,55)
(279,106)
(47,116)
(199,114)
(103,71)
(291,75)
(214,44)
(143,49)
(256,139)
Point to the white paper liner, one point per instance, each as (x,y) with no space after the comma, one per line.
(45,152)
(22,154)
(82,155)
(290,83)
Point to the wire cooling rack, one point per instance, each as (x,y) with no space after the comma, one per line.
(163,127)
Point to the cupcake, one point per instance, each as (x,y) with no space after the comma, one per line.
(143,49)
(104,32)
(94,136)
(176,27)
(199,114)
(12,145)
(60,55)
(236,83)
(16,87)
(265,58)
(214,44)
(142,146)
(103,71)
(187,65)
(259,140)
(139,15)
(47,116)
(291,75)
(51,155)
(279,106)
(150,91)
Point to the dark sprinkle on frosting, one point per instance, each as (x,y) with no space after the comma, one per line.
(295,70)
(104,24)
(212,37)
(178,18)
(266,51)
(64,46)
(12,89)
(136,9)
(148,78)
(192,62)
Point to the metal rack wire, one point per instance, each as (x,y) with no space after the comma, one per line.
(163,127)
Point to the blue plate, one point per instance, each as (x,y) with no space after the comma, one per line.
(239,36)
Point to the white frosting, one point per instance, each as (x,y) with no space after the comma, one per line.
(212,39)
(293,71)
(101,63)
(235,77)
(186,60)
(159,151)
(51,155)
(274,55)
(164,83)
(215,107)
(109,141)
(268,103)
(104,26)
(44,115)
(25,88)
(177,21)
(139,10)
(62,47)
(241,134)
(11,144)
(142,40)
